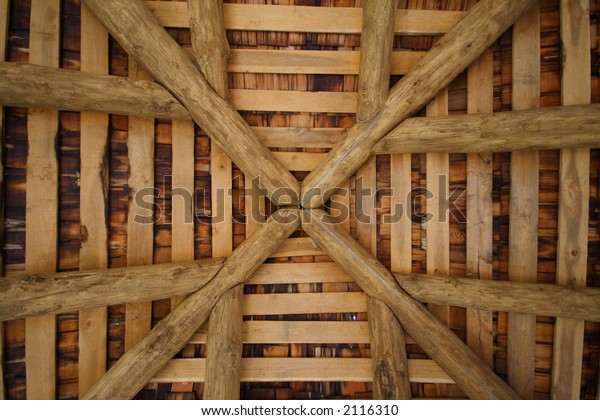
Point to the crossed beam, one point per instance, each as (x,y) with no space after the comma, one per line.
(134,26)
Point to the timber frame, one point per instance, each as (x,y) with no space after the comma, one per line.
(384,126)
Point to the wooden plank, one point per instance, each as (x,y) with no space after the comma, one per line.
(299,137)
(523,226)
(527,298)
(480,99)
(41,214)
(300,369)
(31,295)
(574,197)
(299,161)
(299,273)
(140,236)
(139,365)
(304,303)
(94,196)
(473,376)
(216,116)
(537,129)
(446,60)
(292,101)
(298,247)
(343,20)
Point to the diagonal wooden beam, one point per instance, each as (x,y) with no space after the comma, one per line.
(138,31)
(536,129)
(472,375)
(137,366)
(464,43)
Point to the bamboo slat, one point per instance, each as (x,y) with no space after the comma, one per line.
(524,197)
(41,216)
(94,196)
(574,194)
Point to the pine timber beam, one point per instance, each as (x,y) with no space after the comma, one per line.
(140,364)
(535,129)
(527,298)
(137,30)
(388,349)
(472,375)
(464,43)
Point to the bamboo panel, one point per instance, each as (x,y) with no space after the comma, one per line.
(293,101)
(94,242)
(297,247)
(304,303)
(300,369)
(42,203)
(341,20)
(299,273)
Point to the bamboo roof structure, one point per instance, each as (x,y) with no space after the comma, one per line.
(295,199)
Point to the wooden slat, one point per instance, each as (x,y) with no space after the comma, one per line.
(94,196)
(300,369)
(298,247)
(41,212)
(299,273)
(304,303)
(293,101)
(299,161)
(574,197)
(480,95)
(524,175)
(299,137)
(140,236)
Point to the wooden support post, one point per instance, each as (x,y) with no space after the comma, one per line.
(140,235)
(154,48)
(388,349)
(480,93)
(4,15)
(41,216)
(224,343)
(473,376)
(524,192)
(574,198)
(464,43)
(93,197)
(142,362)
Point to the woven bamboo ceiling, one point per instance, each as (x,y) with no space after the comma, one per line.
(300,199)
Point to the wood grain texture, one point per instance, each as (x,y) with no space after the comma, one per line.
(93,200)
(537,129)
(480,93)
(41,213)
(464,43)
(473,376)
(141,363)
(293,101)
(282,273)
(304,303)
(43,294)
(573,200)
(154,48)
(527,298)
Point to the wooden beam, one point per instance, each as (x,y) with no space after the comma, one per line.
(473,376)
(526,298)
(293,101)
(283,273)
(480,95)
(536,129)
(524,197)
(41,235)
(465,42)
(33,295)
(574,199)
(141,363)
(224,344)
(388,350)
(304,303)
(154,48)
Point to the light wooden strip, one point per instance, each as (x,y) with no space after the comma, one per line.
(140,235)
(93,199)
(299,273)
(480,96)
(41,212)
(299,161)
(297,247)
(293,101)
(524,175)
(346,20)
(304,303)
(312,62)
(300,369)
(574,196)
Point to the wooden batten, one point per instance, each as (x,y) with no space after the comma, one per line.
(4,14)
